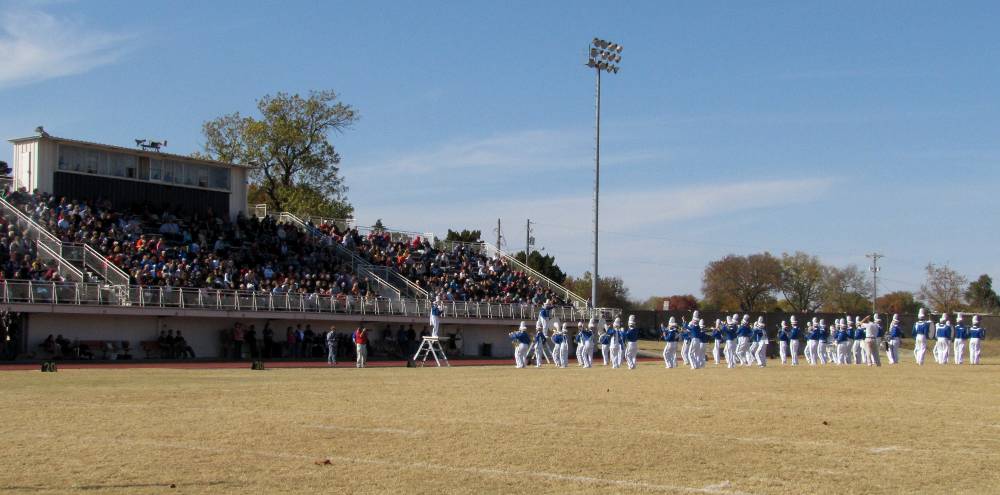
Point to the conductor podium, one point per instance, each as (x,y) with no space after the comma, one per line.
(431,346)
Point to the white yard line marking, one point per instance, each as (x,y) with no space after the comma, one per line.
(717,489)
(358,429)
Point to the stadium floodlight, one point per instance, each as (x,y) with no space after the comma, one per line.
(604,56)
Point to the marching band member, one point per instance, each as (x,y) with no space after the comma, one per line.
(685,341)
(961,333)
(794,340)
(730,349)
(976,336)
(437,311)
(942,333)
(762,342)
(558,339)
(587,339)
(578,342)
(521,340)
(812,338)
(783,341)
(859,342)
(616,343)
(824,334)
(564,345)
(537,348)
(921,330)
(754,340)
(895,338)
(670,336)
(631,339)
(544,316)
(696,353)
(718,337)
(605,340)
(843,339)
(743,334)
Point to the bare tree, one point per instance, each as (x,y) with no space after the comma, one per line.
(944,289)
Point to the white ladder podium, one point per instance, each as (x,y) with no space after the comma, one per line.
(432,346)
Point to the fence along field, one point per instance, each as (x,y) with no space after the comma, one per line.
(777,430)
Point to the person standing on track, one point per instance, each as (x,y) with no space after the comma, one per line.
(331,346)
(895,339)
(976,336)
(942,333)
(361,345)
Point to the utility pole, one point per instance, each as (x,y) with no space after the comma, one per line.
(499,236)
(528,241)
(874,269)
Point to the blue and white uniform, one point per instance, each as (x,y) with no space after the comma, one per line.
(760,343)
(521,342)
(718,338)
(783,342)
(685,341)
(976,336)
(545,316)
(587,342)
(794,341)
(437,311)
(858,347)
(730,349)
(843,339)
(921,332)
(824,335)
(895,339)
(942,335)
(743,335)
(696,349)
(961,334)
(538,348)
(617,344)
(605,341)
(631,338)
(812,340)
(558,343)
(670,337)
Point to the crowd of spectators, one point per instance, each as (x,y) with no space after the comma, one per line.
(20,256)
(456,273)
(161,248)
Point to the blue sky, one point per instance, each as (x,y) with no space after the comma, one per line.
(835,128)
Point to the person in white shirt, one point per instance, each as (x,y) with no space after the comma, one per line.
(871,341)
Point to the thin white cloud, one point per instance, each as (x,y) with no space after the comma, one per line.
(35,46)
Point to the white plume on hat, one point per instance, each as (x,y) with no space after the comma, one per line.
(745,319)
(878,318)
(944,317)
(631,320)
(975,319)
(701,323)
(794,321)
(760,320)
(895,317)
(921,313)
(784,324)
(695,316)
(524,326)
(617,322)
(672,322)
(958,318)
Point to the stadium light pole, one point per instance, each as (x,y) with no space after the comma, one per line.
(602,56)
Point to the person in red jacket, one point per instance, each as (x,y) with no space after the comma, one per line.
(361,342)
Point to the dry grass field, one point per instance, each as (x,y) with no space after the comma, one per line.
(777,430)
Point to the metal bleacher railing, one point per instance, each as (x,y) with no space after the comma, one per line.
(88,294)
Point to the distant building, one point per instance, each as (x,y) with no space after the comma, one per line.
(128,176)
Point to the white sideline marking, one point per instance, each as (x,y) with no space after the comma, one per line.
(880,450)
(356,429)
(718,489)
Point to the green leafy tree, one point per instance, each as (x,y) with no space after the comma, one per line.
(802,281)
(981,295)
(611,291)
(288,148)
(742,283)
(545,264)
(465,235)
(847,290)
(301,199)
(944,288)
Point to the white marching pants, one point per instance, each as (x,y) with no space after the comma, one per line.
(810,352)
(579,354)
(893,352)
(604,354)
(730,351)
(588,353)
(520,355)
(857,352)
(959,350)
(751,355)
(544,323)
(919,348)
(616,355)
(696,354)
(684,351)
(975,349)
(743,343)
(941,349)
(783,351)
(670,354)
(564,353)
(793,347)
(716,351)
(435,325)
(843,351)
(631,351)
(762,353)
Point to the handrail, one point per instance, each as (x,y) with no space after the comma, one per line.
(85,294)
(94,260)
(66,269)
(40,233)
